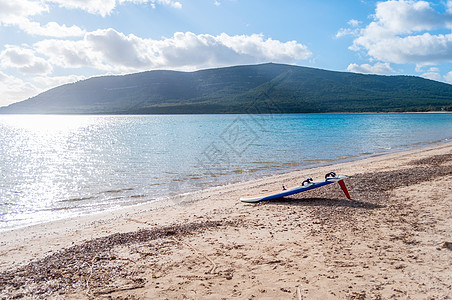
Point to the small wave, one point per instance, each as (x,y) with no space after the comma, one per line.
(116,191)
(138,196)
(57,208)
(77,199)
(293,163)
(241,171)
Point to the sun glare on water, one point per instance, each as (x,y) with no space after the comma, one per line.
(46,124)
(42,159)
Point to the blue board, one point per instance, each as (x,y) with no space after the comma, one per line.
(305,186)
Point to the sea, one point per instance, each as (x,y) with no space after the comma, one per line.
(60,166)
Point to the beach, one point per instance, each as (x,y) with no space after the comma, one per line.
(391,240)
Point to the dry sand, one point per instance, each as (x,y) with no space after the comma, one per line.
(392,240)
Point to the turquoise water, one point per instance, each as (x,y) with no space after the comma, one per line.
(52,167)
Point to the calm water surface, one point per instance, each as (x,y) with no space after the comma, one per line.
(52,167)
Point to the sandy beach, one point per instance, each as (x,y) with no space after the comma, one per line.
(391,240)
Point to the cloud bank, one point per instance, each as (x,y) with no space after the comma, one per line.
(398,35)
(401,32)
(114,51)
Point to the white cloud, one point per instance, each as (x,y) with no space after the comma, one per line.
(400,33)
(425,49)
(68,53)
(347,31)
(448,77)
(106,7)
(12,12)
(420,68)
(432,75)
(19,12)
(175,4)
(354,30)
(12,89)
(269,49)
(409,16)
(377,68)
(101,7)
(113,51)
(24,60)
(170,3)
(354,23)
(51,29)
(118,49)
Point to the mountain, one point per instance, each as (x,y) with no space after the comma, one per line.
(265,88)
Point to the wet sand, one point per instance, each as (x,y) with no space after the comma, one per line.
(391,240)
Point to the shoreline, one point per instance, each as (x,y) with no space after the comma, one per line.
(277,172)
(193,196)
(221,205)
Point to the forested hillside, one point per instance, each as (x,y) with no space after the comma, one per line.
(241,89)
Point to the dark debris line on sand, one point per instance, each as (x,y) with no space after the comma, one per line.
(69,270)
(433,160)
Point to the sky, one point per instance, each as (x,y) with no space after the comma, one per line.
(47,43)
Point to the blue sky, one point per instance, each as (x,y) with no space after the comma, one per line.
(47,43)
